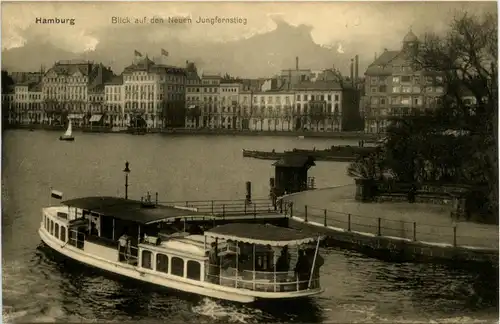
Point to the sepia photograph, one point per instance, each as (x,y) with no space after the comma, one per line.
(249,162)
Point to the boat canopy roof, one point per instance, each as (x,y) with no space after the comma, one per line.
(129,210)
(263,234)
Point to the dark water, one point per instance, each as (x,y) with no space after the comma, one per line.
(38,286)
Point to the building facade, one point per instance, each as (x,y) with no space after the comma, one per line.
(318,106)
(270,110)
(210,97)
(154,93)
(394,89)
(162,96)
(230,110)
(194,98)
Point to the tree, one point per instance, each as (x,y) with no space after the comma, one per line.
(467,58)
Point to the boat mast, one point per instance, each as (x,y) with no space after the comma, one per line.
(313,264)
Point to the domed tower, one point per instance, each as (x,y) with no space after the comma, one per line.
(410,42)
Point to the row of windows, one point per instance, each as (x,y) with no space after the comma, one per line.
(405,89)
(143,76)
(406,79)
(318,97)
(404,100)
(193,268)
(63,79)
(54,229)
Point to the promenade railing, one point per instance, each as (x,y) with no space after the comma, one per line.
(228,208)
(459,234)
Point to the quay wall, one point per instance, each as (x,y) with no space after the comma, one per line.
(202,131)
(397,248)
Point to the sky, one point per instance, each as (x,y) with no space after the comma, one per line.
(329,21)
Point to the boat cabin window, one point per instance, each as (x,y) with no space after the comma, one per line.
(56,231)
(193,270)
(63,234)
(146,259)
(162,263)
(177,267)
(51,227)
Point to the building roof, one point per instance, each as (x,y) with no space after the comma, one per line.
(382,66)
(148,65)
(410,37)
(128,210)
(35,87)
(262,234)
(318,85)
(293,160)
(115,80)
(71,67)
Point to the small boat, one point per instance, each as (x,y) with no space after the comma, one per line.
(68,136)
(148,242)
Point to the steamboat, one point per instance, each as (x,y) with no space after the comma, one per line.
(153,243)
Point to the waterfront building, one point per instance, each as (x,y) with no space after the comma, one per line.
(110,103)
(210,111)
(394,89)
(194,101)
(230,110)
(155,93)
(269,110)
(318,106)
(65,89)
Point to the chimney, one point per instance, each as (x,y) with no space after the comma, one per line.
(289,78)
(352,71)
(356,68)
(297,63)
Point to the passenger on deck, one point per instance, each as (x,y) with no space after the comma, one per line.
(283,262)
(317,264)
(93,229)
(124,247)
(213,265)
(302,269)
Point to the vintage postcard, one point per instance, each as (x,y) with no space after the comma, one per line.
(249,162)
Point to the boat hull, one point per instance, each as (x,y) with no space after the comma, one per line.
(138,274)
(202,288)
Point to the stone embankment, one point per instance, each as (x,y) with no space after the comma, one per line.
(399,230)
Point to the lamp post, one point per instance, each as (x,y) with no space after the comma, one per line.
(126,171)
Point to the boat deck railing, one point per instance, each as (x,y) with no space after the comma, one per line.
(128,254)
(265,281)
(223,208)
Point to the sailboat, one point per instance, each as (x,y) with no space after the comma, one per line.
(68,136)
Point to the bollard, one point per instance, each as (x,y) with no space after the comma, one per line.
(325,220)
(348,222)
(414,231)
(455,235)
(305,209)
(379,232)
